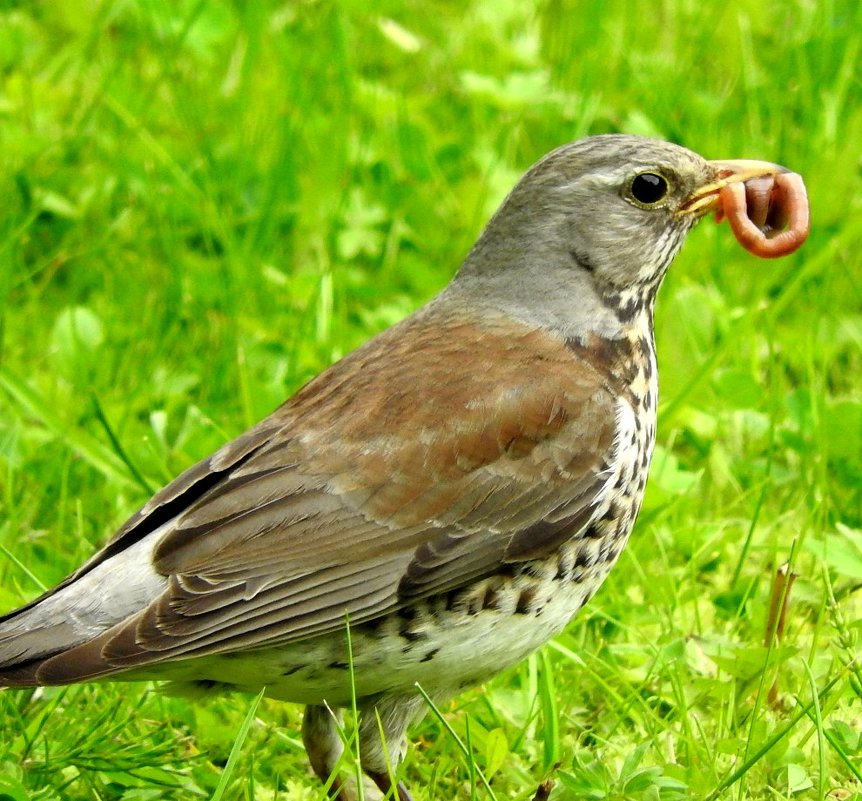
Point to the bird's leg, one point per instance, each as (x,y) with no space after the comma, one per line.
(383,739)
(383,781)
(323,745)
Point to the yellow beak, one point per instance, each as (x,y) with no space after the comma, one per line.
(731,171)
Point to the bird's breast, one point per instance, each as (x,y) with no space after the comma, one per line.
(633,377)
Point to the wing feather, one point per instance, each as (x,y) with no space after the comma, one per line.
(412,467)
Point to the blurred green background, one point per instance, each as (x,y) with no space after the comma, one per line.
(206,203)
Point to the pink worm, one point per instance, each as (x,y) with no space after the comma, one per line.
(769,215)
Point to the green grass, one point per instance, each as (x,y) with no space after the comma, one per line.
(205,203)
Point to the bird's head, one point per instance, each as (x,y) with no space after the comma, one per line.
(609,212)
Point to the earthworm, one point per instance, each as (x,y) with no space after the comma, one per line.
(768,214)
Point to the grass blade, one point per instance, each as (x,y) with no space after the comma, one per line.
(235,751)
(89,449)
(458,741)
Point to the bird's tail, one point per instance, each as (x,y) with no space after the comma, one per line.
(76,612)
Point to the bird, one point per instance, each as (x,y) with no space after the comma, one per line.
(431,508)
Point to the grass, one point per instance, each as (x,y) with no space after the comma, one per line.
(206,203)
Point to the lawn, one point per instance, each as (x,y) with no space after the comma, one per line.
(206,203)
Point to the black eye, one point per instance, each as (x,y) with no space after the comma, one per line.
(649,188)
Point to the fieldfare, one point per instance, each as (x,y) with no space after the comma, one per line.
(455,490)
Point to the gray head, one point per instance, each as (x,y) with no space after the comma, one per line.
(609,211)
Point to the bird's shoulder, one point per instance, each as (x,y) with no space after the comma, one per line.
(442,396)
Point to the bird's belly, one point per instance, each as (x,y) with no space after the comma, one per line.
(445,643)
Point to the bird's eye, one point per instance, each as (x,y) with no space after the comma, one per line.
(648,188)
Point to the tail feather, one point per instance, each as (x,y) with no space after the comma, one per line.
(23,675)
(77,613)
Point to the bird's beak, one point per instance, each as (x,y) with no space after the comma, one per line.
(706,198)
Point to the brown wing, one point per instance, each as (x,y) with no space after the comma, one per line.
(422,462)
